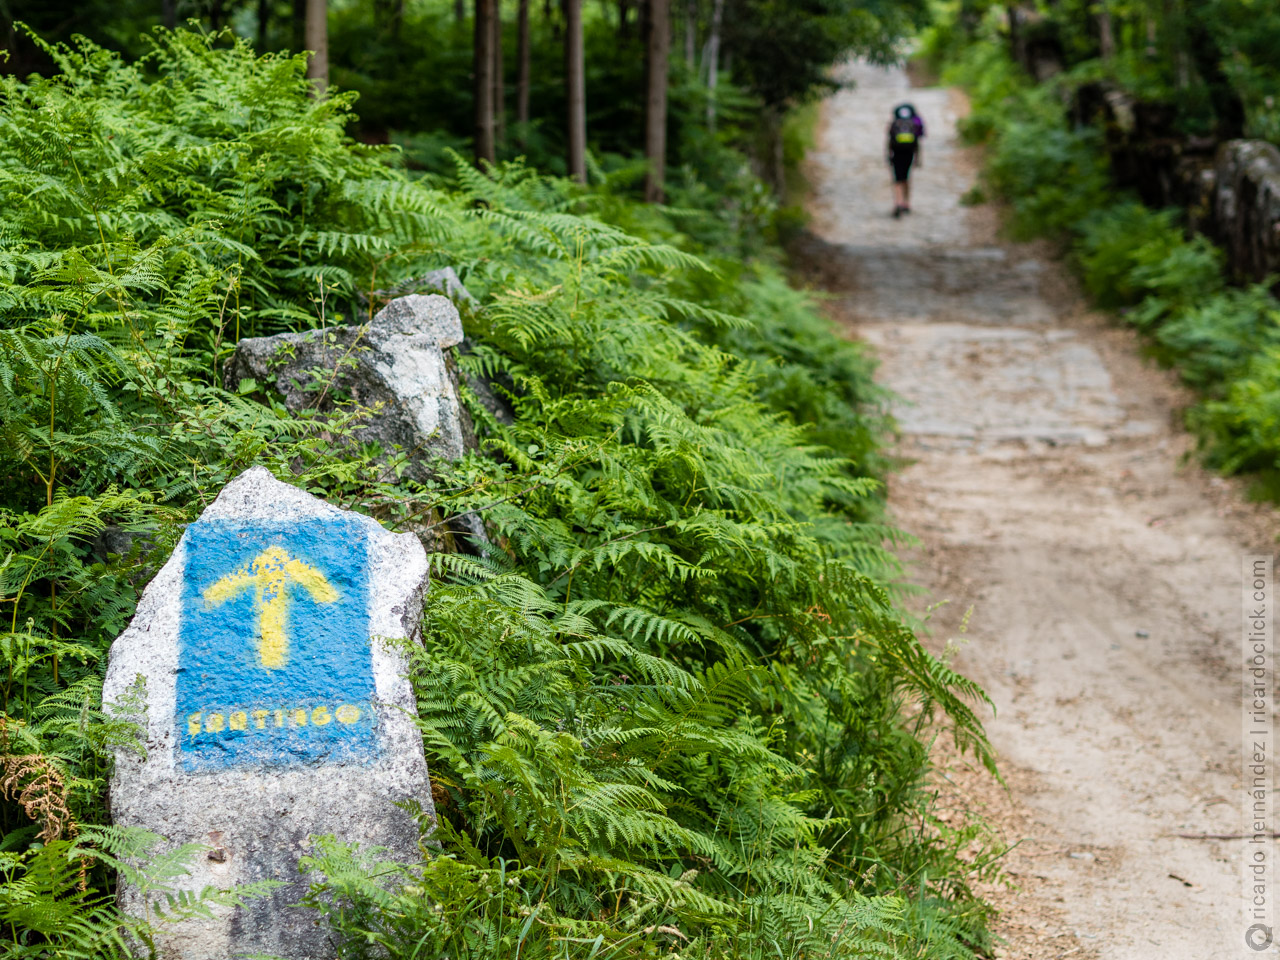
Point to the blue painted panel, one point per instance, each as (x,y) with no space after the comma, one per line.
(275,666)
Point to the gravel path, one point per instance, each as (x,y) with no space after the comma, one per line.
(1050,490)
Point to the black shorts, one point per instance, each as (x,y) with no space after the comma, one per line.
(901,161)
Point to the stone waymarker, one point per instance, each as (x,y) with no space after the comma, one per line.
(274,709)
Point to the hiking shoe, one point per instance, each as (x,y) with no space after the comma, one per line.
(897,212)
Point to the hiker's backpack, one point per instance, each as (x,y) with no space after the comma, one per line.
(903,133)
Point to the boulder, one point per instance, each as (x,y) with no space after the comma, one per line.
(400,364)
(1246,207)
(263,670)
(445,281)
(402,367)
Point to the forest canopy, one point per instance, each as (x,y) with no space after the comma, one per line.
(733,67)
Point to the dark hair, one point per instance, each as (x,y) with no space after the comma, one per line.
(904,110)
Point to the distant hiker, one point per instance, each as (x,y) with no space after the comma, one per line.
(905,134)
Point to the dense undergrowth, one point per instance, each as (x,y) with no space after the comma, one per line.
(1224,340)
(677,712)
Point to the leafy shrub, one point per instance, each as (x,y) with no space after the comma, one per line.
(993,82)
(1217,339)
(1052,175)
(1224,341)
(1247,419)
(1130,255)
(1055,175)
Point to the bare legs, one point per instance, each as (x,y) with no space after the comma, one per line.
(902,196)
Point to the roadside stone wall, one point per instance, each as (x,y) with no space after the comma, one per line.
(1245,213)
(1230,190)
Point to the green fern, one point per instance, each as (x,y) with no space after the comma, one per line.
(669,700)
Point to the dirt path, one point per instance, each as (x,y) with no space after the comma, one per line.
(1049,490)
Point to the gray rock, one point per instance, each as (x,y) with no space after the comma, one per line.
(1230,191)
(116,540)
(397,363)
(113,539)
(134,546)
(445,281)
(1246,206)
(433,317)
(469,528)
(276,709)
(401,367)
(491,400)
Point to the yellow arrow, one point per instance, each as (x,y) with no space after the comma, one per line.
(269,574)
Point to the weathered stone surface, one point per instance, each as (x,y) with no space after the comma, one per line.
(1232,196)
(401,363)
(274,709)
(432,316)
(491,400)
(1246,206)
(445,281)
(131,546)
(398,360)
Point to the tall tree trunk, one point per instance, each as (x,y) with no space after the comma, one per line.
(459,10)
(775,173)
(389,15)
(169,10)
(483,68)
(264,18)
(655,126)
(691,34)
(575,82)
(499,78)
(523,71)
(317,41)
(712,59)
(1176,28)
(1017,48)
(1106,33)
(624,24)
(299,26)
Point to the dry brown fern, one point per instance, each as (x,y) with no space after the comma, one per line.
(38,787)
